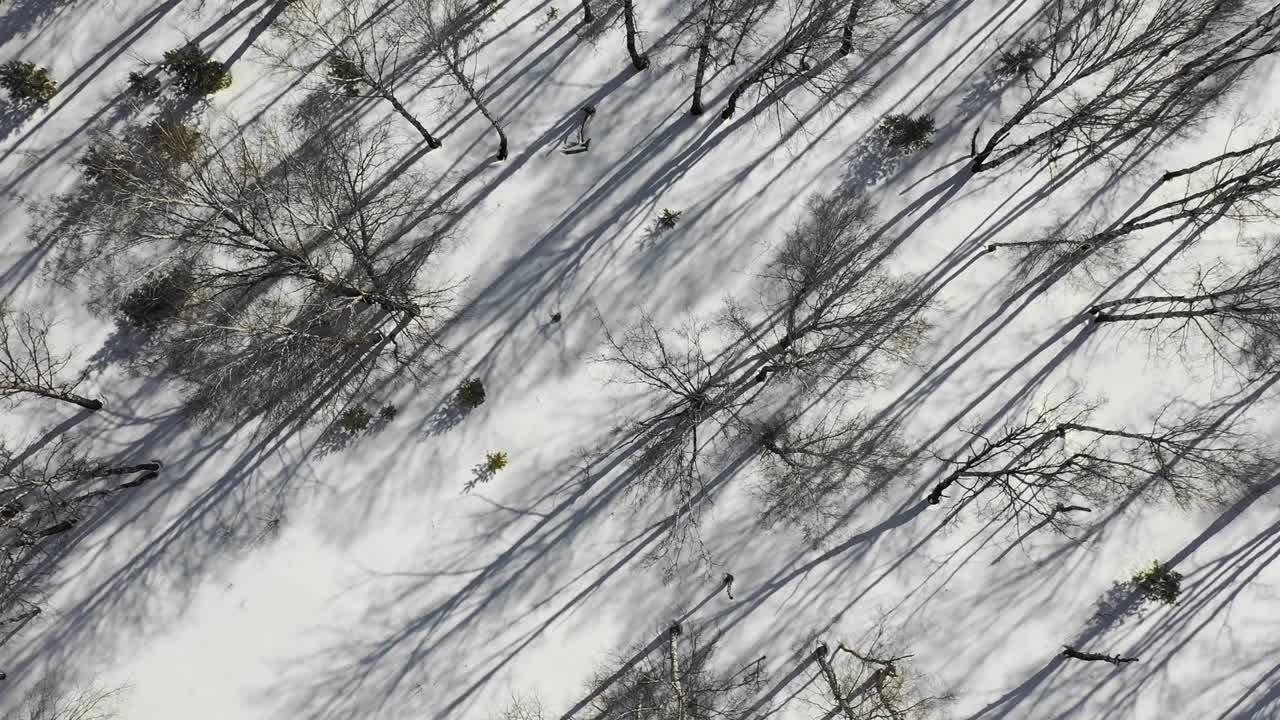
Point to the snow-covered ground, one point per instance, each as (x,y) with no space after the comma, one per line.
(384,591)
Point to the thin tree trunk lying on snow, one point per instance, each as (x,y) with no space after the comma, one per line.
(1070,652)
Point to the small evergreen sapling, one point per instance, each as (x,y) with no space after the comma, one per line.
(194,72)
(1158,582)
(143,86)
(495,461)
(157,300)
(907,134)
(668,219)
(355,420)
(471,394)
(28,84)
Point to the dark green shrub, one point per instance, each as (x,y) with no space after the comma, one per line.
(355,420)
(174,141)
(494,461)
(157,300)
(27,83)
(194,72)
(907,134)
(471,393)
(387,413)
(141,85)
(668,219)
(1158,582)
(346,74)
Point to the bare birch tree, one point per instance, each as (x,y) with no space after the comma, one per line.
(808,55)
(1235,313)
(712,32)
(812,462)
(692,397)
(1109,72)
(278,270)
(680,681)
(827,316)
(29,367)
(827,309)
(47,701)
(362,52)
(1053,463)
(43,496)
(1239,185)
(875,684)
(449,34)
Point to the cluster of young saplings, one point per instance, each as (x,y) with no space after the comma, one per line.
(469,396)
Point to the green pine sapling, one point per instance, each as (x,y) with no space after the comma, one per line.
(28,84)
(1158,582)
(906,134)
(471,394)
(194,72)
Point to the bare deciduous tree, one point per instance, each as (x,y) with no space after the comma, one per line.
(1111,71)
(694,396)
(807,55)
(288,270)
(449,33)
(810,465)
(523,707)
(1236,313)
(878,684)
(29,367)
(45,495)
(1239,184)
(712,31)
(1043,464)
(827,309)
(354,41)
(47,701)
(826,315)
(678,682)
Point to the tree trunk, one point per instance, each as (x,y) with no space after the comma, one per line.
(731,105)
(673,656)
(935,496)
(846,35)
(385,94)
(638,61)
(1070,652)
(587,16)
(153,466)
(70,397)
(1184,314)
(830,676)
(704,57)
(456,69)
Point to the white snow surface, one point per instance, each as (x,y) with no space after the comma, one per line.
(389,593)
